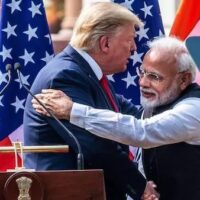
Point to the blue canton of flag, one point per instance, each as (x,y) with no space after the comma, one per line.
(148,11)
(24,39)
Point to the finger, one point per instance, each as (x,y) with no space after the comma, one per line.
(34,101)
(152,184)
(53,95)
(40,105)
(39,96)
(38,108)
(43,112)
(53,92)
(48,91)
(40,111)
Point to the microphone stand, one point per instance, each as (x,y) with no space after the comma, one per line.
(80,158)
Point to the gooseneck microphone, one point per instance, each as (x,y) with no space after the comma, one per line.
(8,70)
(80,158)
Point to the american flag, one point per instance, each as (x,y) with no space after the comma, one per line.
(148,11)
(126,83)
(24,39)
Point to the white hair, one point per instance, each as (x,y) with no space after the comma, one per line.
(174,48)
(103,18)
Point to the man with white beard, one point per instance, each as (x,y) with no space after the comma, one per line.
(170,138)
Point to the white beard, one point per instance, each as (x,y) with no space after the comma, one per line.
(163,99)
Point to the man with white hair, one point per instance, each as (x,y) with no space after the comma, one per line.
(169,129)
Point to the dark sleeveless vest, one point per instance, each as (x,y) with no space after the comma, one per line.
(175,168)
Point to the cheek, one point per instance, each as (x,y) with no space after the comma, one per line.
(124,47)
(162,89)
(159,90)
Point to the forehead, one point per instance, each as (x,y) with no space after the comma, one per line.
(160,62)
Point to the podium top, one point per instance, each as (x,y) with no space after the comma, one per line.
(36,149)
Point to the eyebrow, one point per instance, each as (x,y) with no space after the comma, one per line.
(153,72)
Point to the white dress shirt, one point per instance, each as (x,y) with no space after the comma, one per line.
(182,123)
(93,64)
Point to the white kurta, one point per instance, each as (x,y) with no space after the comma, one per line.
(182,123)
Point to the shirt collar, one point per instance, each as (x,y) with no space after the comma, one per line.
(95,67)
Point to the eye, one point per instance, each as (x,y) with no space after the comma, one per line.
(153,77)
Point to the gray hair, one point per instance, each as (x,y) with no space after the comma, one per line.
(173,48)
(100,19)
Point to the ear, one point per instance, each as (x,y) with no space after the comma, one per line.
(186,79)
(104,43)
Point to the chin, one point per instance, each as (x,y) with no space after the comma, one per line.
(148,103)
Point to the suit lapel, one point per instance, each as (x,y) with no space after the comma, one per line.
(76,57)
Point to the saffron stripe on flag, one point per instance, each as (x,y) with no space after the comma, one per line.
(190,26)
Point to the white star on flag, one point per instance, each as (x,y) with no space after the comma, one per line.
(3,77)
(49,38)
(14,5)
(31,32)
(1,104)
(18,104)
(35,9)
(6,53)
(128,4)
(136,57)
(110,78)
(160,33)
(146,10)
(142,32)
(47,57)
(24,80)
(130,80)
(10,30)
(27,57)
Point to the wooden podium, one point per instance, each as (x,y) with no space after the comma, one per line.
(52,185)
(49,185)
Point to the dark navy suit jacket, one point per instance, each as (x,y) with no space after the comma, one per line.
(69,72)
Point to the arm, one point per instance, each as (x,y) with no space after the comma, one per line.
(179,124)
(101,153)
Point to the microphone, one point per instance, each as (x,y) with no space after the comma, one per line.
(80,158)
(8,70)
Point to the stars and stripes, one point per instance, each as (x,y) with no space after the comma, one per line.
(24,39)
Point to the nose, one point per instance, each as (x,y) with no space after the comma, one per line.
(133,46)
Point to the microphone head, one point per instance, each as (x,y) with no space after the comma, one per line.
(8,67)
(17,66)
